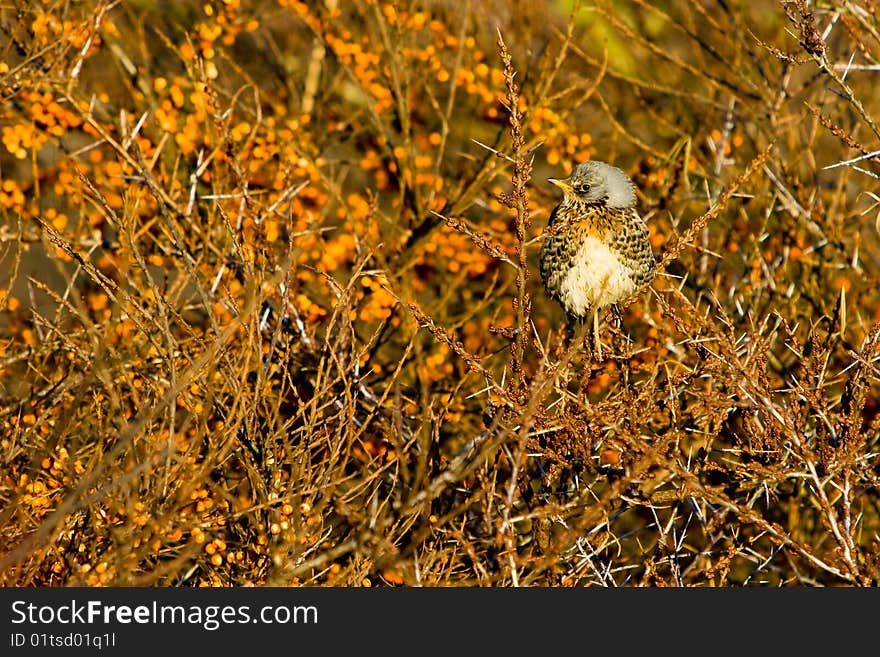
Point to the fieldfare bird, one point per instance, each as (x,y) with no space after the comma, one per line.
(596,251)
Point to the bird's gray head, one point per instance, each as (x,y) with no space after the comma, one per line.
(598,183)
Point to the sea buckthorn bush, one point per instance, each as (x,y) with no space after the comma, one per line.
(270,311)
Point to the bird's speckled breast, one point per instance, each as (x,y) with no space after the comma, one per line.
(601,258)
(595,279)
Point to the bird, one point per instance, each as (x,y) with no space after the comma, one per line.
(597,250)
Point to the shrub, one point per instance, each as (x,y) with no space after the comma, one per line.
(270,311)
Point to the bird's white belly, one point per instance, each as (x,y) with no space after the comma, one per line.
(597,278)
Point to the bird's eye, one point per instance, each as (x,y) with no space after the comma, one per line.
(584,188)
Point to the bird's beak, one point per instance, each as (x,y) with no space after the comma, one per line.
(562,184)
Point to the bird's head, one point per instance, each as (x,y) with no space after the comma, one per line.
(598,183)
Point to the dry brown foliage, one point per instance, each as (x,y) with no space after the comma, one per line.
(270,312)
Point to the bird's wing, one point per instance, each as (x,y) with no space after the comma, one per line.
(631,241)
